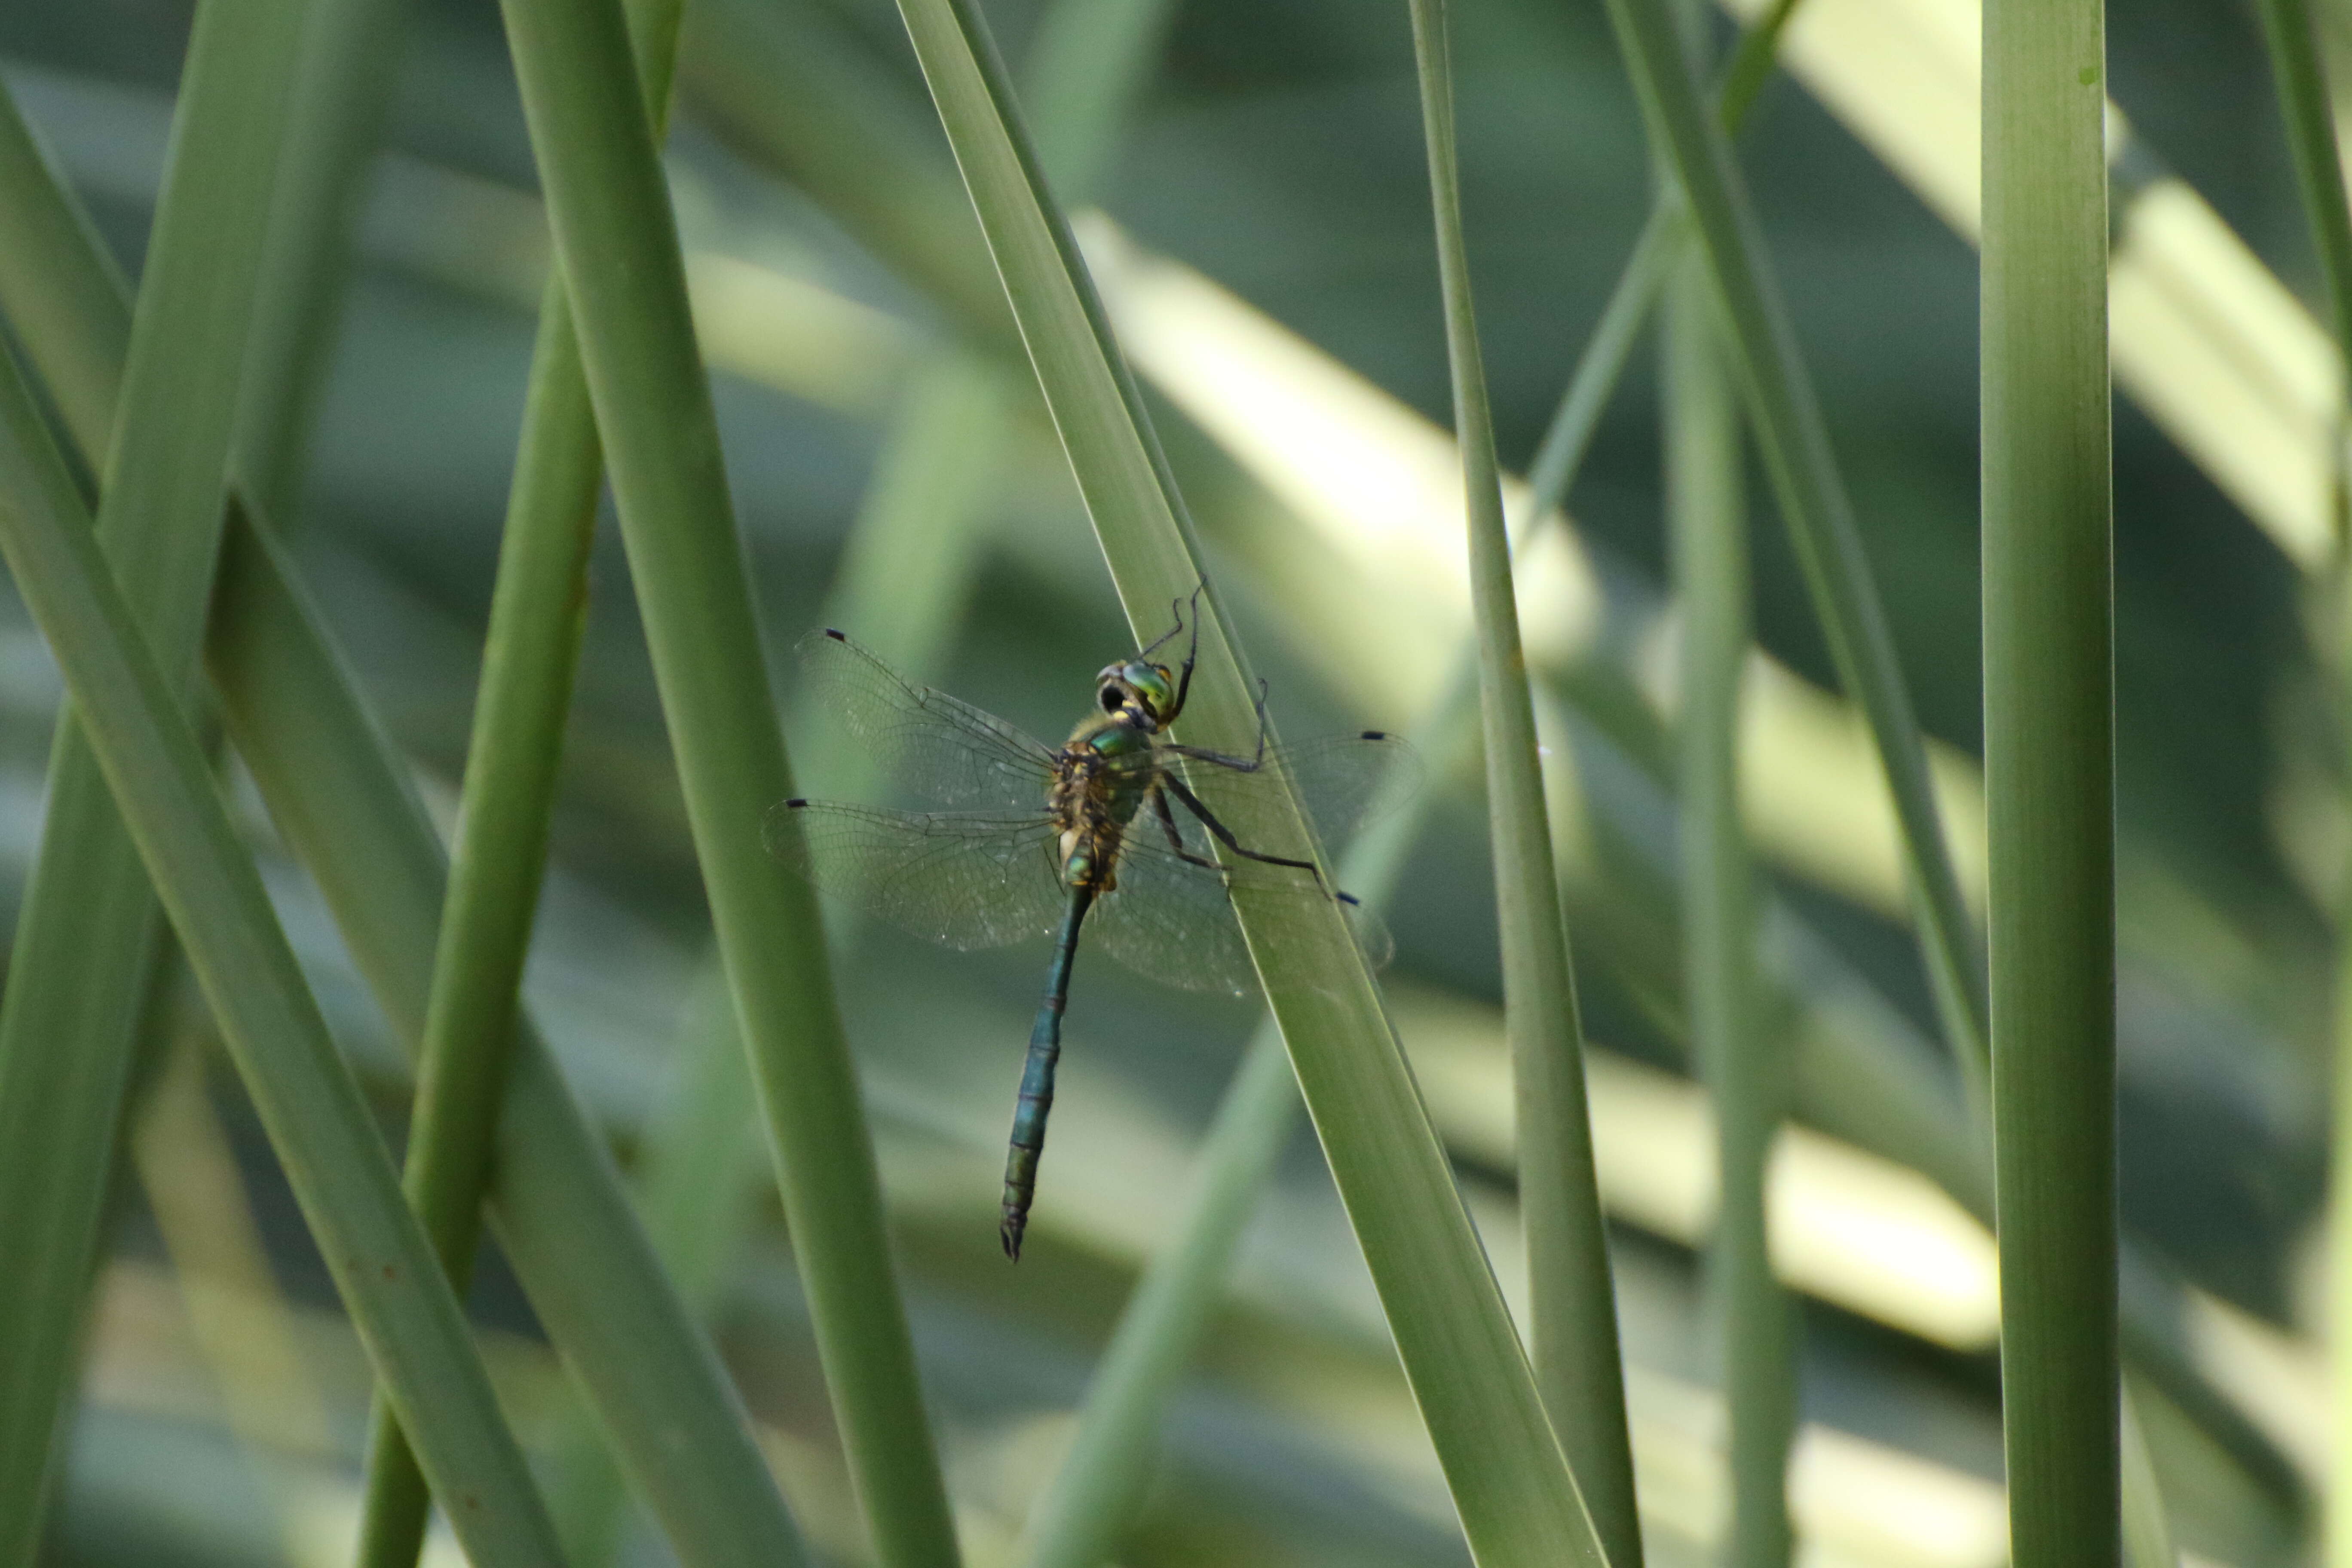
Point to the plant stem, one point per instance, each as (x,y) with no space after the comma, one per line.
(2295,63)
(1739,1054)
(1794,441)
(341,795)
(617,238)
(1572,1306)
(310,1107)
(2049,772)
(88,927)
(538,611)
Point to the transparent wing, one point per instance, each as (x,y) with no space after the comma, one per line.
(968,880)
(939,746)
(1172,919)
(1345,780)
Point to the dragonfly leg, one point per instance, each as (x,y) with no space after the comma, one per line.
(1239,764)
(1226,835)
(1175,838)
(1191,652)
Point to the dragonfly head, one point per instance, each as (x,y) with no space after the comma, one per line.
(1142,693)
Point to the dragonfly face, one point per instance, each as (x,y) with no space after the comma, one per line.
(1146,696)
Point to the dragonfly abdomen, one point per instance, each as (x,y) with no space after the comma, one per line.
(1036,1101)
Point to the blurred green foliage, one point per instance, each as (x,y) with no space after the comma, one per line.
(1276,150)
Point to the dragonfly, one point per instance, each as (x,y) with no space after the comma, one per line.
(1117,831)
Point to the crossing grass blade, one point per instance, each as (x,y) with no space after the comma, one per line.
(1510,1485)
(2303,104)
(1664,234)
(2049,692)
(318,1124)
(1795,443)
(538,612)
(337,790)
(902,580)
(338,793)
(68,301)
(1572,1298)
(88,927)
(617,243)
(343,96)
(1736,1046)
(791,82)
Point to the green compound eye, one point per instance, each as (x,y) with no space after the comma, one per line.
(1154,686)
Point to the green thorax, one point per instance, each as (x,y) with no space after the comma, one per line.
(1101,779)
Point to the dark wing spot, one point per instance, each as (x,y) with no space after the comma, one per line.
(1376,735)
(837,636)
(797,801)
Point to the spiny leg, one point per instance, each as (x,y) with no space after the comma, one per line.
(1226,835)
(1193,803)
(1249,765)
(1176,838)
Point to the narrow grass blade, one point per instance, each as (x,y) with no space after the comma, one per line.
(699,1170)
(337,790)
(2049,687)
(904,574)
(617,241)
(68,299)
(351,54)
(1795,443)
(317,1122)
(1571,1300)
(2293,45)
(792,83)
(87,929)
(2304,103)
(1510,1485)
(901,584)
(1735,1042)
(536,614)
(1087,65)
(531,651)
(1639,287)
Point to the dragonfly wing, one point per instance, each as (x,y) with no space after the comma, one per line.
(939,746)
(1169,920)
(1345,780)
(967,879)
(1173,921)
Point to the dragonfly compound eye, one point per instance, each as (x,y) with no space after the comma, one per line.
(1154,688)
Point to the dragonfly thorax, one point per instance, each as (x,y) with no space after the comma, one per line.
(1101,776)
